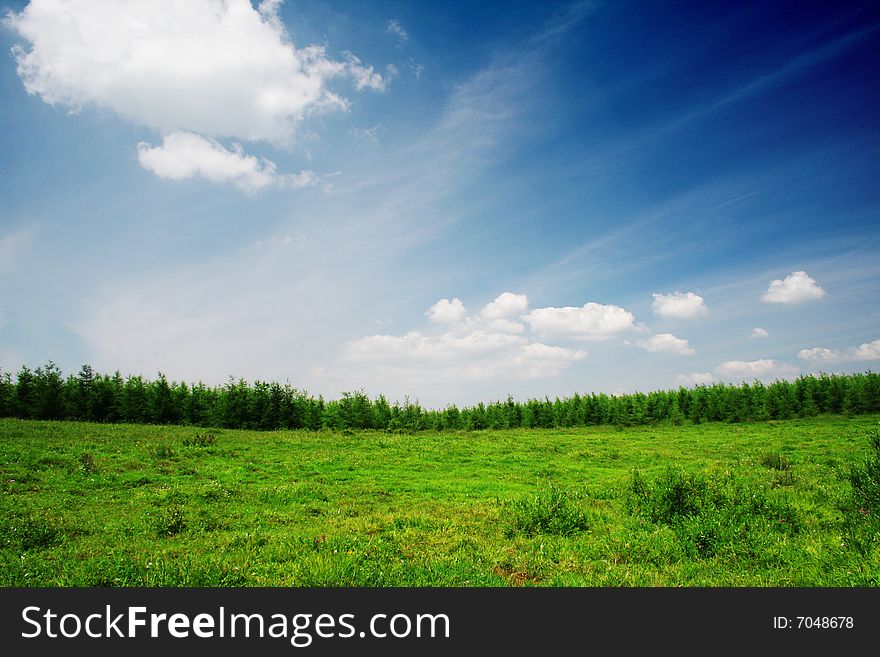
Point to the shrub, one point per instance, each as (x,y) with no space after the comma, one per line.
(27,532)
(171,521)
(674,495)
(710,514)
(861,508)
(162,452)
(200,440)
(550,512)
(776,461)
(87,464)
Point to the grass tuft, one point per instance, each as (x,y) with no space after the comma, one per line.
(552,511)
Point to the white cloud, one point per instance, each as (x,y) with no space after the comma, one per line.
(679,305)
(505,325)
(694,379)
(476,355)
(394,27)
(416,68)
(218,68)
(184,155)
(370,134)
(416,346)
(666,342)
(794,288)
(446,311)
(365,77)
(484,347)
(591,321)
(506,305)
(758,332)
(866,351)
(764,368)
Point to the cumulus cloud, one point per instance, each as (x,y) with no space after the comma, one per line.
(394,27)
(763,368)
(694,379)
(591,321)
(506,305)
(758,332)
(446,311)
(866,351)
(217,68)
(477,348)
(794,288)
(666,342)
(184,155)
(679,305)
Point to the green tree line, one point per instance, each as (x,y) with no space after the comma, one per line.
(46,394)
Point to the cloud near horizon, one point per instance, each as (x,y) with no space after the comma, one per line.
(866,351)
(476,348)
(763,369)
(694,379)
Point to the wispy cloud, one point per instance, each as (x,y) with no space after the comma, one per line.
(266,309)
(14,246)
(394,27)
(694,379)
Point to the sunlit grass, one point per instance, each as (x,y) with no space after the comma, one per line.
(139,505)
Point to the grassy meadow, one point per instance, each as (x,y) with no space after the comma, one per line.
(749,504)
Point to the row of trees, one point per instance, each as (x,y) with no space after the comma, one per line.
(44,393)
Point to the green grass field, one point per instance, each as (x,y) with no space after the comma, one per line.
(713,505)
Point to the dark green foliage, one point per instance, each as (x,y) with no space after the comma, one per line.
(553,511)
(87,464)
(162,452)
(674,495)
(44,394)
(23,532)
(861,508)
(776,461)
(709,515)
(200,440)
(170,521)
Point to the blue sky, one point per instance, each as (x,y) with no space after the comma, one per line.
(451,201)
